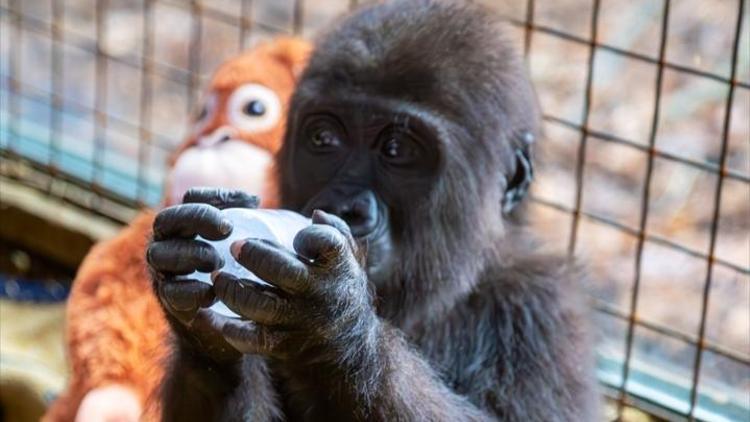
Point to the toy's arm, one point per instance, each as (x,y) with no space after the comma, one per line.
(116,330)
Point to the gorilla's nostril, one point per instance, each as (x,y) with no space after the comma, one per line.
(360,223)
(353,218)
(358,208)
(362,215)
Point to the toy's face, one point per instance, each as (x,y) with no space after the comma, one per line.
(239,125)
(225,149)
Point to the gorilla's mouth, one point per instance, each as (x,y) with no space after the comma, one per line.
(376,244)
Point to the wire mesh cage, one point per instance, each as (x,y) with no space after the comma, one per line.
(646,156)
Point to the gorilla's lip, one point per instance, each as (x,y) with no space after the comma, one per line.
(378,250)
(377,243)
(379,232)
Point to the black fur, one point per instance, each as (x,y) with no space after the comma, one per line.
(457,316)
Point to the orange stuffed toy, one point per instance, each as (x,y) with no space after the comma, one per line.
(116,332)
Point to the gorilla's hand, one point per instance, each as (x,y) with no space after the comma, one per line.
(174,252)
(320,305)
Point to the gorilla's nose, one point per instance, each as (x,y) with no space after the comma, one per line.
(360,212)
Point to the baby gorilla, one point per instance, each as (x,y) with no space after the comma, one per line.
(415,294)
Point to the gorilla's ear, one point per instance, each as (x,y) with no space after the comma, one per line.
(517,184)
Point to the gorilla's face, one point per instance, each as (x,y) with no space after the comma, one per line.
(368,162)
(414,134)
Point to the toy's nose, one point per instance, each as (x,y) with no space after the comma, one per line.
(217,136)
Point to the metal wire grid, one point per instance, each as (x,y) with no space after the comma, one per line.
(699,340)
(146,63)
(191,79)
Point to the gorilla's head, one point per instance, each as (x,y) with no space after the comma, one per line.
(416,132)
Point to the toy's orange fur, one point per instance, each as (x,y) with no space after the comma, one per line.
(116,332)
(115,327)
(275,65)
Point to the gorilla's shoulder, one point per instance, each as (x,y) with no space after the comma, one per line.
(533,280)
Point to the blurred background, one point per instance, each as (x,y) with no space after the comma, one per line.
(644,167)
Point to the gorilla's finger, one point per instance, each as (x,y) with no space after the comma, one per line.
(323,244)
(322,217)
(188,220)
(187,295)
(208,320)
(252,300)
(209,325)
(221,198)
(248,337)
(272,263)
(182,256)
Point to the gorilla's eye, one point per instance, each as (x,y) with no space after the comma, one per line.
(399,149)
(391,148)
(255,108)
(324,138)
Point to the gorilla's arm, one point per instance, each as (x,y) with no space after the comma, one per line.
(200,389)
(517,339)
(320,328)
(516,348)
(393,382)
(207,378)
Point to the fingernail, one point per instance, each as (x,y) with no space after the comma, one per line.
(236,247)
(225,227)
(318,215)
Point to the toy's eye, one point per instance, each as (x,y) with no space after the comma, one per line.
(202,114)
(206,112)
(253,108)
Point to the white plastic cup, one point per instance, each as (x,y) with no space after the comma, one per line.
(277,225)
